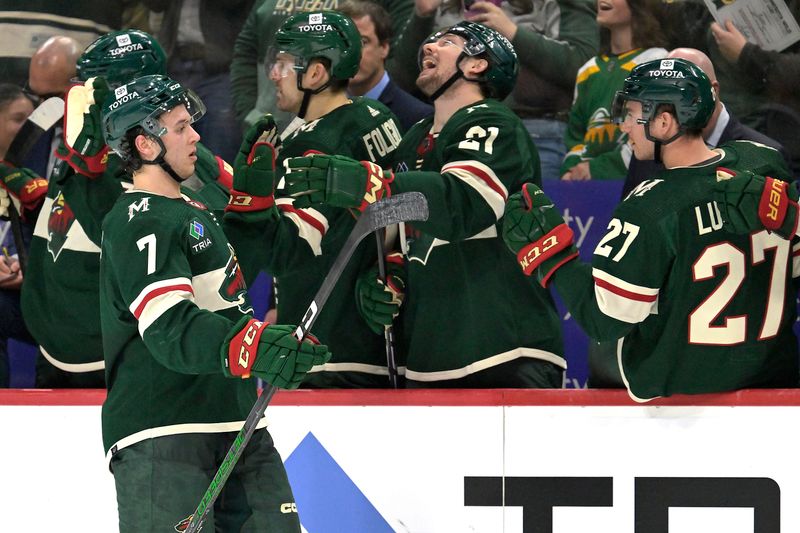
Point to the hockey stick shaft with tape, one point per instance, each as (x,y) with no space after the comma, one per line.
(404,207)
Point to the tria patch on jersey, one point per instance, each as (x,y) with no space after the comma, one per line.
(196,230)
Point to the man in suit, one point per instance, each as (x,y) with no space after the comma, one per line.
(372,80)
(722,127)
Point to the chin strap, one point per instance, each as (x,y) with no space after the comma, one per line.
(660,142)
(161,162)
(459,74)
(308,92)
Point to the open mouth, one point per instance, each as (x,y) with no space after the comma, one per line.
(428,63)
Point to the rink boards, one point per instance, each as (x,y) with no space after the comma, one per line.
(446,461)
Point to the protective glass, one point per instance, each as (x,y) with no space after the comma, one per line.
(620,114)
(280,64)
(194,105)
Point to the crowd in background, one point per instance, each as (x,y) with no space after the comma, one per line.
(573,56)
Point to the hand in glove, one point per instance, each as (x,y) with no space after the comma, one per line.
(84,147)
(534,230)
(336,180)
(379,303)
(749,202)
(271,353)
(23,187)
(254,168)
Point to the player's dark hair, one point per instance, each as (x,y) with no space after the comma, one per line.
(133,161)
(646,17)
(380,17)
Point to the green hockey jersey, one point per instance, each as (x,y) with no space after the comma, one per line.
(170,292)
(468,307)
(696,309)
(591,134)
(300,248)
(60,291)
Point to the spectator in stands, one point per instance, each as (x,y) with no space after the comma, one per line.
(630,34)
(27,25)
(253,93)
(372,80)
(14,109)
(198,37)
(761,85)
(722,127)
(553,38)
(51,70)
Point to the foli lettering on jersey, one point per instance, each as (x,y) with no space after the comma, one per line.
(382,140)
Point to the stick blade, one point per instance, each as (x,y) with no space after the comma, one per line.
(403,207)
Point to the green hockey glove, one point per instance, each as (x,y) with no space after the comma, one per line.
(254,168)
(26,189)
(379,303)
(336,180)
(534,230)
(749,202)
(84,147)
(270,352)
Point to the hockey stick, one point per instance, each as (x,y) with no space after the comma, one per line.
(388,332)
(398,208)
(42,119)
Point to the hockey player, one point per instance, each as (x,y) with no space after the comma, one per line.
(177,324)
(316,55)
(60,293)
(469,320)
(696,309)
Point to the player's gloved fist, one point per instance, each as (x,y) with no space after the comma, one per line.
(336,180)
(25,188)
(749,202)
(535,231)
(254,168)
(271,353)
(379,303)
(84,147)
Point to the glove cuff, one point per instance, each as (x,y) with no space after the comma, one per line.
(532,255)
(90,166)
(243,348)
(378,184)
(243,202)
(774,206)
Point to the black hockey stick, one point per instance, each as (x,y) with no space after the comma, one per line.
(388,332)
(42,119)
(403,207)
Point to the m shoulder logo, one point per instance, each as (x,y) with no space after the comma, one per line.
(138,207)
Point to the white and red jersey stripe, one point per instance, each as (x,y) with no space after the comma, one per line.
(483,179)
(311,224)
(158,298)
(796,259)
(622,300)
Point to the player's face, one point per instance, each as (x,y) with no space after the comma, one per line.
(373,54)
(439,62)
(180,140)
(642,147)
(284,76)
(12,117)
(613,13)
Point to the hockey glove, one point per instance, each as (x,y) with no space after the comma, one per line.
(270,352)
(749,202)
(336,180)
(254,168)
(84,147)
(24,187)
(379,303)
(534,230)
